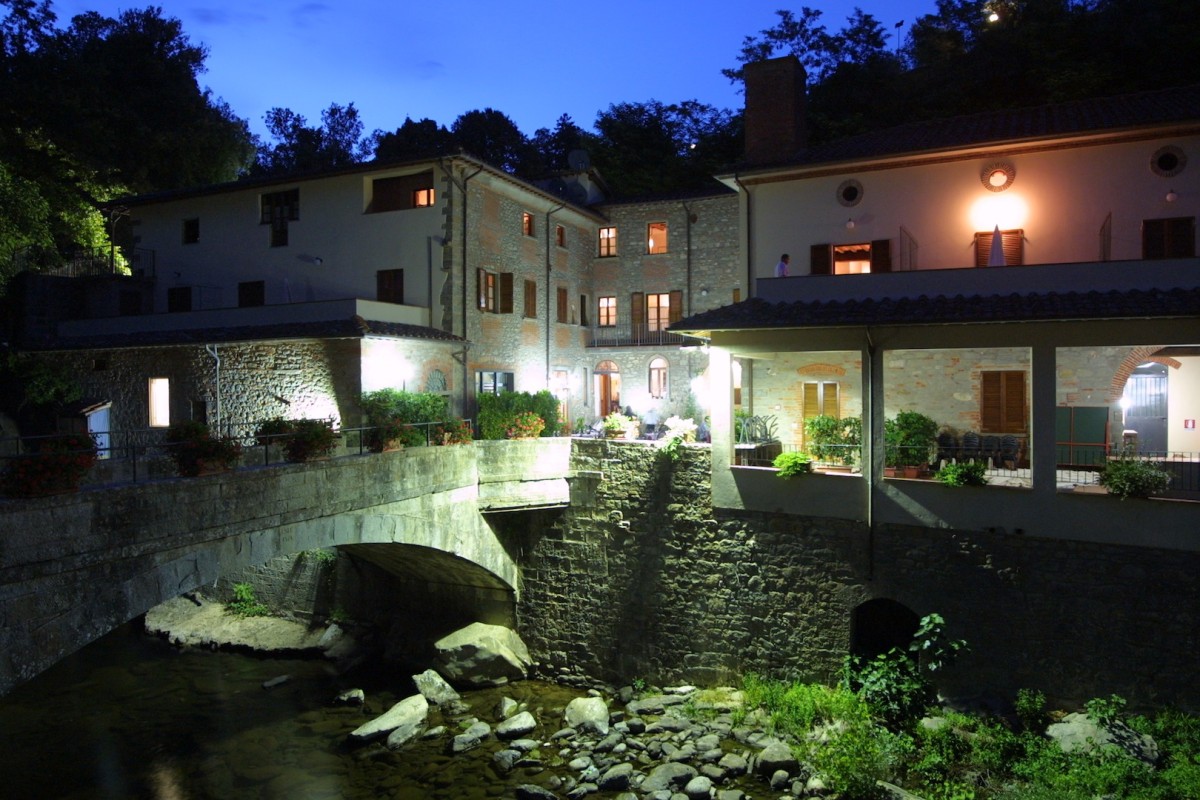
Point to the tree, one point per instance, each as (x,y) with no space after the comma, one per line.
(412,140)
(554,146)
(492,137)
(805,38)
(337,142)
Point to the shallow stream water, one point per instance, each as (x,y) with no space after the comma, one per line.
(131,716)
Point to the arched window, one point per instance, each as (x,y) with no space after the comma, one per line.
(658,377)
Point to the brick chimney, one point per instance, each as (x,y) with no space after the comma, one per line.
(775,101)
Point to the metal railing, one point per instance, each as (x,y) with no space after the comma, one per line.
(139,455)
(632,335)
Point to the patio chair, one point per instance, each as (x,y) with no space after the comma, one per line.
(970,447)
(990,448)
(947,446)
(1010,452)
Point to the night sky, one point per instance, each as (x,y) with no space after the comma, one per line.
(439,59)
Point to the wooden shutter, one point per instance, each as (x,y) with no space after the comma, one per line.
(1002,401)
(881,255)
(530,299)
(389,285)
(506,293)
(561,296)
(675,312)
(1014,247)
(481,288)
(637,309)
(1169,238)
(820,259)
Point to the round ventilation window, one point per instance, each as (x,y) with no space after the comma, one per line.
(849,192)
(1168,161)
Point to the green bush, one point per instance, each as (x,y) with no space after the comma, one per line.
(792,464)
(244,603)
(497,412)
(974,474)
(193,448)
(910,439)
(1130,475)
(406,407)
(833,440)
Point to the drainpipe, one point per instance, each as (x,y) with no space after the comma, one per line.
(549,266)
(462,187)
(212,351)
(749,254)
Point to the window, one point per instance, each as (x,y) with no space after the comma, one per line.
(850,259)
(252,293)
(401,193)
(1002,401)
(560,236)
(737,295)
(656,238)
(563,305)
(494,291)
(491,382)
(191,230)
(423,198)
(819,398)
(583,309)
(179,298)
(658,311)
(608,242)
(1169,238)
(607,312)
(389,286)
(527,223)
(159,401)
(530,299)
(658,377)
(1012,241)
(278,209)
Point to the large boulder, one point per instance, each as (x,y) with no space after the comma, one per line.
(1080,733)
(587,714)
(483,655)
(408,716)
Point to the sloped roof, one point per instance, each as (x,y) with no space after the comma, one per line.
(759,314)
(351,327)
(1095,115)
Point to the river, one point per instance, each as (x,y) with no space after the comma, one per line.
(132,716)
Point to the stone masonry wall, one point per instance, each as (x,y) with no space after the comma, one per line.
(647,580)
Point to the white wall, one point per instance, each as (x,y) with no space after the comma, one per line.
(1060,198)
(1183,389)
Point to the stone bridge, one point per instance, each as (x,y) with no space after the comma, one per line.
(74,567)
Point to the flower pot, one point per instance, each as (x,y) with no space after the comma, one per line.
(614,434)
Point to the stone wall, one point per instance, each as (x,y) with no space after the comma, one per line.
(647,580)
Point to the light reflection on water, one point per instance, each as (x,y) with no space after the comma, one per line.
(134,717)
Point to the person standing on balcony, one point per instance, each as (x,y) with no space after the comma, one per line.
(781,269)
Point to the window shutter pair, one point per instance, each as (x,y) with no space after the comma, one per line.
(1013,242)
(1169,238)
(820,257)
(1002,401)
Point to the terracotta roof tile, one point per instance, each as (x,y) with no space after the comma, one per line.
(756,313)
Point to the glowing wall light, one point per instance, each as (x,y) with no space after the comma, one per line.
(385,366)
(1008,210)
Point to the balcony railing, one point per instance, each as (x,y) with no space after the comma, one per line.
(633,335)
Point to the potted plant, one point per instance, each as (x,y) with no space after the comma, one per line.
(272,431)
(790,465)
(1130,475)
(525,425)
(455,431)
(196,451)
(833,442)
(617,426)
(910,440)
(57,465)
(309,439)
(391,434)
(973,474)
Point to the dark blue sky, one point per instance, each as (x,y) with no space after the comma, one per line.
(439,59)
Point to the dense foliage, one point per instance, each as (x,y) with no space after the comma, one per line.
(498,413)
(1131,475)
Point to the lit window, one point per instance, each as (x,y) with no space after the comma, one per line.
(487,291)
(656,238)
(527,223)
(658,378)
(658,311)
(422,198)
(607,312)
(160,402)
(608,242)
(494,291)
(851,259)
(401,192)
(560,236)
(491,382)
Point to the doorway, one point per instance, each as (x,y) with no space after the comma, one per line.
(1145,404)
(608,388)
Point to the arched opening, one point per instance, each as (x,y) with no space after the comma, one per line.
(879,625)
(658,378)
(608,388)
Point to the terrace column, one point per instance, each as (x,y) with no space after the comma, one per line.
(1043,457)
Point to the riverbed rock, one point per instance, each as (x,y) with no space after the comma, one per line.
(698,788)
(505,708)
(671,776)
(775,757)
(483,655)
(182,622)
(529,791)
(1080,733)
(616,779)
(435,689)
(351,697)
(410,714)
(516,726)
(588,714)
